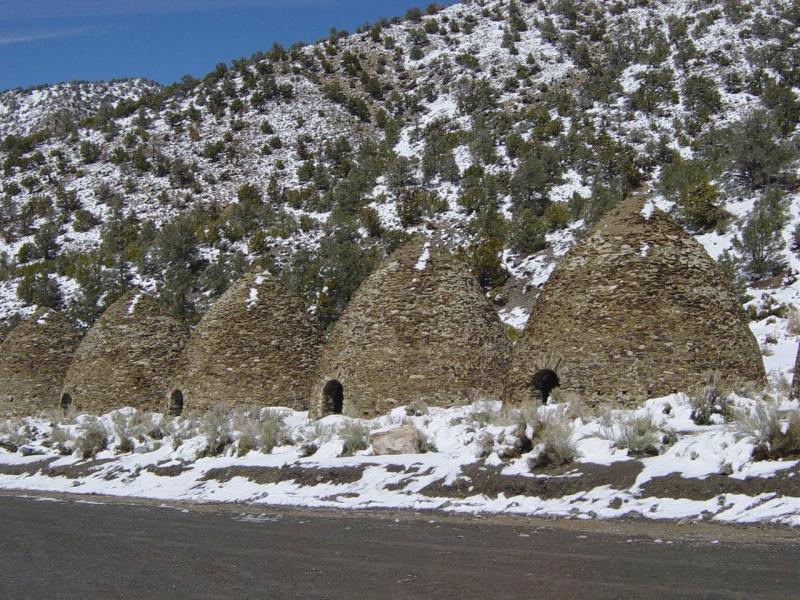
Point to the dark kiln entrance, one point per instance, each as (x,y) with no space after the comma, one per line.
(176,403)
(543,382)
(333,397)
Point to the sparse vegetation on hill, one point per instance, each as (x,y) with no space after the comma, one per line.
(502,126)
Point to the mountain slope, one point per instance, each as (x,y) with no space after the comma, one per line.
(502,127)
(25,111)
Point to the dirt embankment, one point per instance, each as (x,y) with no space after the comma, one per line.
(475,479)
(556,483)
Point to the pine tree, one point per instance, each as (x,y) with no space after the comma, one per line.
(484,258)
(699,205)
(515,19)
(761,242)
(40,289)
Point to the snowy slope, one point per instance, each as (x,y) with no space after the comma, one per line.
(24,111)
(700,473)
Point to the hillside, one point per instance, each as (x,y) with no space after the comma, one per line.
(503,128)
(59,107)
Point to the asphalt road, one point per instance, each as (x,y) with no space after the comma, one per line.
(67,548)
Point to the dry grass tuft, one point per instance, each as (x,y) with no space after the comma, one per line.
(793,322)
(216,426)
(638,434)
(130,426)
(271,432)
(355,436)
(553,429)
(13,434)
(258,430)
(772,438)
(60,416)
(417,408)
(711,397)
(91,439)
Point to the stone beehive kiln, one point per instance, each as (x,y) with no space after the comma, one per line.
(256,346)
(637,309)
(33,362)
(128,357)
(419,328)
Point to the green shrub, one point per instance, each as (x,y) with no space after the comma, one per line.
(729,265)
(484,258)
(702,98)
(475,96)
(527,233)
(39,289)
(699,206)
(46,240)
(84,220)
(371,221)
(529,185)
(90,152)
(40,206)
(603,199)
(416,203)
(761,241)
(401,173)
(556,215)
(27,252)
(212,150)
(249,193)
(7,267)
(796,239)
(757,151)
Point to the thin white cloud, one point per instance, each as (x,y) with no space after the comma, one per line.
(21,38)
(54,9)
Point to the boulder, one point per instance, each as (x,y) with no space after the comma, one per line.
(395,439)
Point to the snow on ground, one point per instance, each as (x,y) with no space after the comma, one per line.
(516,317)
(422,261)
(310,467)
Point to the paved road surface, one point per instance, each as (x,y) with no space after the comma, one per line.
(67,548)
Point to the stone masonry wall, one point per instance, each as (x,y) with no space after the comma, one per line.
(34,359)
(637,309)
(418,328)
(128,358)
(256,346)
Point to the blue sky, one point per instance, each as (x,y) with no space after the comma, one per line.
(48,41)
